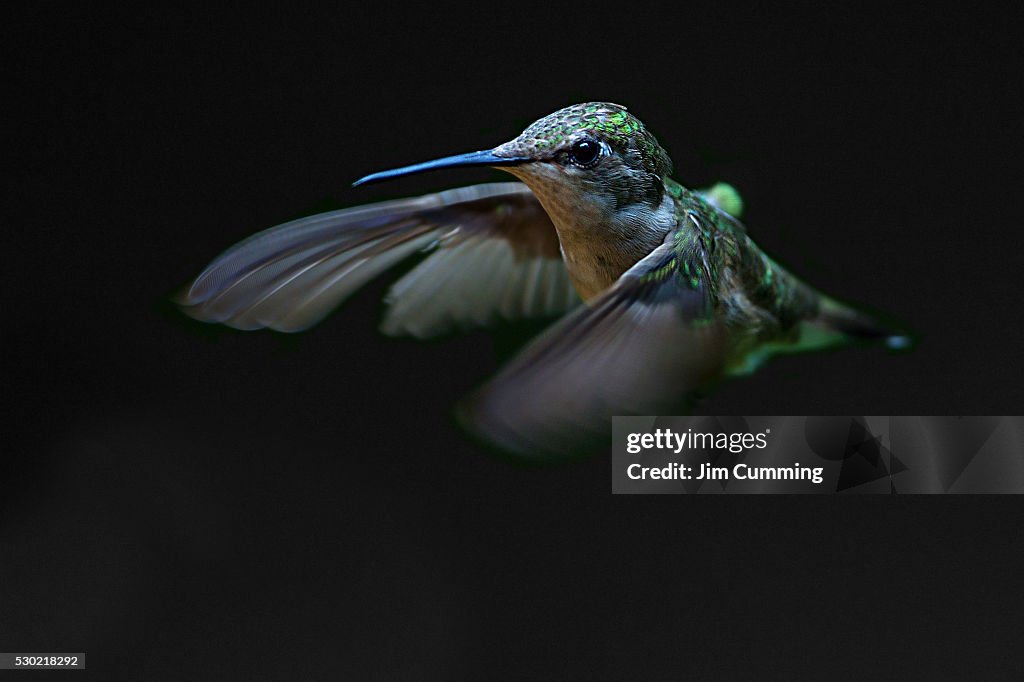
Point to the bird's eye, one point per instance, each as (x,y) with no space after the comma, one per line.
(585,153)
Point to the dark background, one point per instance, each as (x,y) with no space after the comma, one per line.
(183,501)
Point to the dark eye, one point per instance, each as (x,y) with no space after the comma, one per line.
(585,153)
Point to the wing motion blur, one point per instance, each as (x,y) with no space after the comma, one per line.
(643,347)
(496,256)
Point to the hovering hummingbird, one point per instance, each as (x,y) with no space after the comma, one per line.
(662,290)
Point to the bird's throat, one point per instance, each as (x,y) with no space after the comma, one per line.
(599,242)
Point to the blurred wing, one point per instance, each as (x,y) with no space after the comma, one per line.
(497,256)
(643,347)
(725,198)
(503,262)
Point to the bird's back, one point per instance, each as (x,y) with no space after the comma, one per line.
(766,309)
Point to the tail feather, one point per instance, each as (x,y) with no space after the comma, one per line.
(857,325)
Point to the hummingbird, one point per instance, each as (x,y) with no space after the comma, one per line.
(660,290)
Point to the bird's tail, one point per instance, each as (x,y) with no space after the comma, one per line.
(835,325)
(855,325)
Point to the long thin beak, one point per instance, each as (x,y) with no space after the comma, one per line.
(485,158)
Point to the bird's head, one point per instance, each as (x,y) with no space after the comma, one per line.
(595,153)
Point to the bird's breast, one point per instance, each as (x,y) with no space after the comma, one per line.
(595,253)
(599,244)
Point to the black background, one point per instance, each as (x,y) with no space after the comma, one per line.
(182,501)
